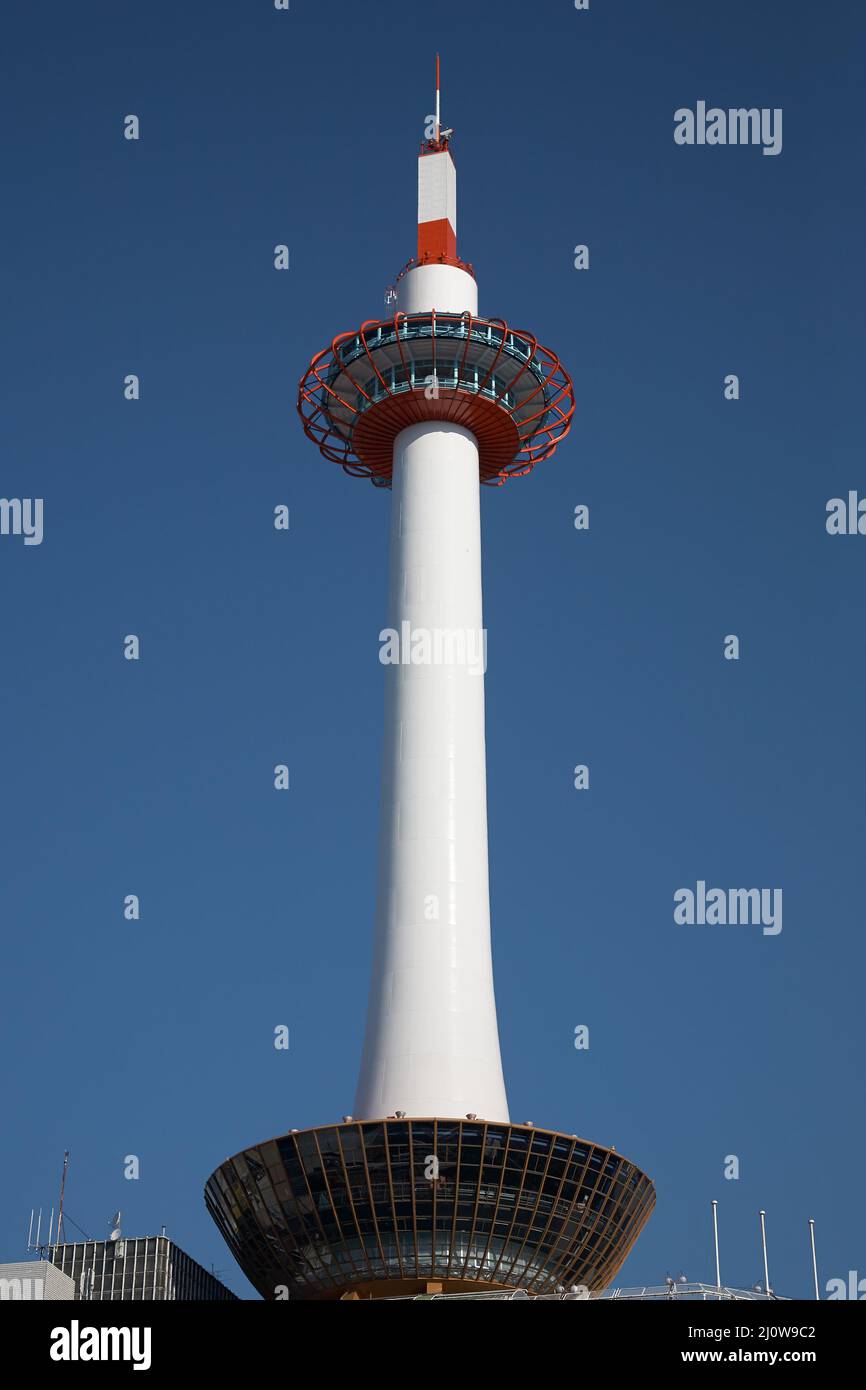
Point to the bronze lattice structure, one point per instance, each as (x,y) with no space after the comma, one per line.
(365,1209)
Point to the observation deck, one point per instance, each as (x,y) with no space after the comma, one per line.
(496,381)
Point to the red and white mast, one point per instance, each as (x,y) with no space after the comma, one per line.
(437,279)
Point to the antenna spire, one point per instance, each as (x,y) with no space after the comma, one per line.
(716,1243)
(437,99)
(814,1258)
(767,1289)
(62,1191)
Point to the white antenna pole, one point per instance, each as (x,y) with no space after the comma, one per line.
(716,1241)
(50,1228)
(30,1232)
(38,1228)
(814,1258)
(437,98)
(762,1215)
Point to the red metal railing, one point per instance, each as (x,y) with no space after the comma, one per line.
(508,447)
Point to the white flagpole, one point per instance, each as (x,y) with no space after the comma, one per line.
(762,1215)
(814,1258)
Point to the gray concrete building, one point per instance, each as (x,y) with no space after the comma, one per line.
(35,1280)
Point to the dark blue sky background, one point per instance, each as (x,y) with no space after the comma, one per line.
(707,518)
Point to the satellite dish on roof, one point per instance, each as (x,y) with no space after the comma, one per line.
(115,1226)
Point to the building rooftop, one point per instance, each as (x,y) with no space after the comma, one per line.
(646,1293)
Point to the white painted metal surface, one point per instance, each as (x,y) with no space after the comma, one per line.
(437,189)
(446,288)
(432,1045)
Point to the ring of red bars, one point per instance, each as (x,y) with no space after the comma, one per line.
(498,382)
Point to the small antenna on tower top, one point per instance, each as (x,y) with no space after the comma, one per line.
(437,98)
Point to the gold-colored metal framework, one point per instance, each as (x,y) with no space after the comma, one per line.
(383,1207)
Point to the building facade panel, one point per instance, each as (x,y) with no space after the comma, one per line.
(143,1269)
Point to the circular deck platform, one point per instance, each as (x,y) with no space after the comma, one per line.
(514,395)
(402,1206)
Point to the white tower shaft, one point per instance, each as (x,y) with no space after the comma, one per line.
(432,1045)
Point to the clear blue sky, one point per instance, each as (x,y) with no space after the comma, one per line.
(707,518)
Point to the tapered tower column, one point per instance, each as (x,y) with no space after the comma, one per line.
(432,1046)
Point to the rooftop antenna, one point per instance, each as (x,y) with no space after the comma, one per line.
(437,98)
(62,1190)
(767,1290)
(716,1241)
(115,1226)
(814,1258)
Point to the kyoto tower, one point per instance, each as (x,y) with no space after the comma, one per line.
(428,1186)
